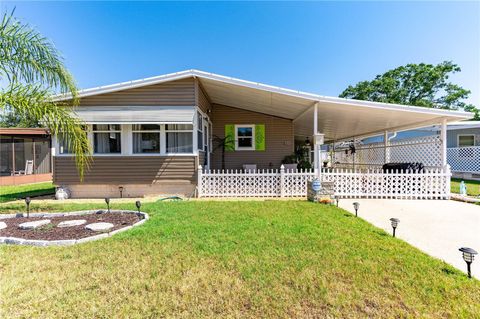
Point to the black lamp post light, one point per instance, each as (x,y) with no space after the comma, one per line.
(356,206)
(138,204)
(468,255)
(395,222)
(27,202)
(120,189)
(337,199)
(107,200)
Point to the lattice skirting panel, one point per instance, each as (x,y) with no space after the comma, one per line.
(464,159)
(429,184)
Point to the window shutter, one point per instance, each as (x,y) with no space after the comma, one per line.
(229,138)
(260,137)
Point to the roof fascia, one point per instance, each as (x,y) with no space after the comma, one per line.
(260,86)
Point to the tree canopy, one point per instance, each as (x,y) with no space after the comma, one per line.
(33,71)
(425,85)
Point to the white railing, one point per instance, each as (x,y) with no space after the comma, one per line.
(464,159)
(428,184)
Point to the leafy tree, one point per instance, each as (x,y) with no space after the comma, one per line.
(11,119)
(33,72)
(474,110)
(421,84)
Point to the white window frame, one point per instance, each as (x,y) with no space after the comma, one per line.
(238,148)
(200,117)
(165,131)
(159,131)
(206,133)
(127,141)
(210,137)
(91,137)
(462,135)
(58,146)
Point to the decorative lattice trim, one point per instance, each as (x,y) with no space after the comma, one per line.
(426,150)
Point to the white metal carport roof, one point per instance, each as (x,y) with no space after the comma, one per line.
(338,118)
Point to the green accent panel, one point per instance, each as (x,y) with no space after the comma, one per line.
(229,138)
(260,137)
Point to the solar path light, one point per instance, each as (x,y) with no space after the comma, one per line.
(138,204)
(395,222)
(107,200)
(468,255)
(27,202)
(356,205)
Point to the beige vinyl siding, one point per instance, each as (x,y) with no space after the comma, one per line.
(202,99)
(180,92)
(278,131)
(127,169)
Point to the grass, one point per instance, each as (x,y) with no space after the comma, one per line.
(233,259)
(473,187)
(14,192)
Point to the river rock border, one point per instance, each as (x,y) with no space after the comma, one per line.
(31,242)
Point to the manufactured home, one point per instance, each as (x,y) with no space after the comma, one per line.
(197,133)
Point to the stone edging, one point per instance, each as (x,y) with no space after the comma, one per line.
(68,242)
(465,199)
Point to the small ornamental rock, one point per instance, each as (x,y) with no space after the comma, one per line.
(35,224)
(99,226)
(71,223)
(3,225)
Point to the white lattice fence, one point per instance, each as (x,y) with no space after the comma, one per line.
(295,183)
(464,159)
(238,184)
(429,184)
(425,150)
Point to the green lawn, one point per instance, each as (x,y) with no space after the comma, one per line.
(14,192)
(473,187)
(234,259)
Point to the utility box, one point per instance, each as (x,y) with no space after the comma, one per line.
(325,195)
(319,139)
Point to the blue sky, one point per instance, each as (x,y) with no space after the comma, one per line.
(319,47)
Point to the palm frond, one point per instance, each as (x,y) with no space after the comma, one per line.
(33,101)
(28,57)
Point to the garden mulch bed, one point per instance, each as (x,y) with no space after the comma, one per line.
(119,220)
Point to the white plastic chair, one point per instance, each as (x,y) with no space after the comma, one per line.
(249,168)
(28,169)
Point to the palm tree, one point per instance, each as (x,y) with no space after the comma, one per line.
(32,73)
(222,143)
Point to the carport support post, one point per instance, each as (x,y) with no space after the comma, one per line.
(386,148)
(316,160)
(443,136)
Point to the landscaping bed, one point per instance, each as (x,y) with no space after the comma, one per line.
(65,228)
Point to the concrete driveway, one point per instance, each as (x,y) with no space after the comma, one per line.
(438,227)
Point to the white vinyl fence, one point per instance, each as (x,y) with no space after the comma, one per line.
(429,184)
(464,159)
